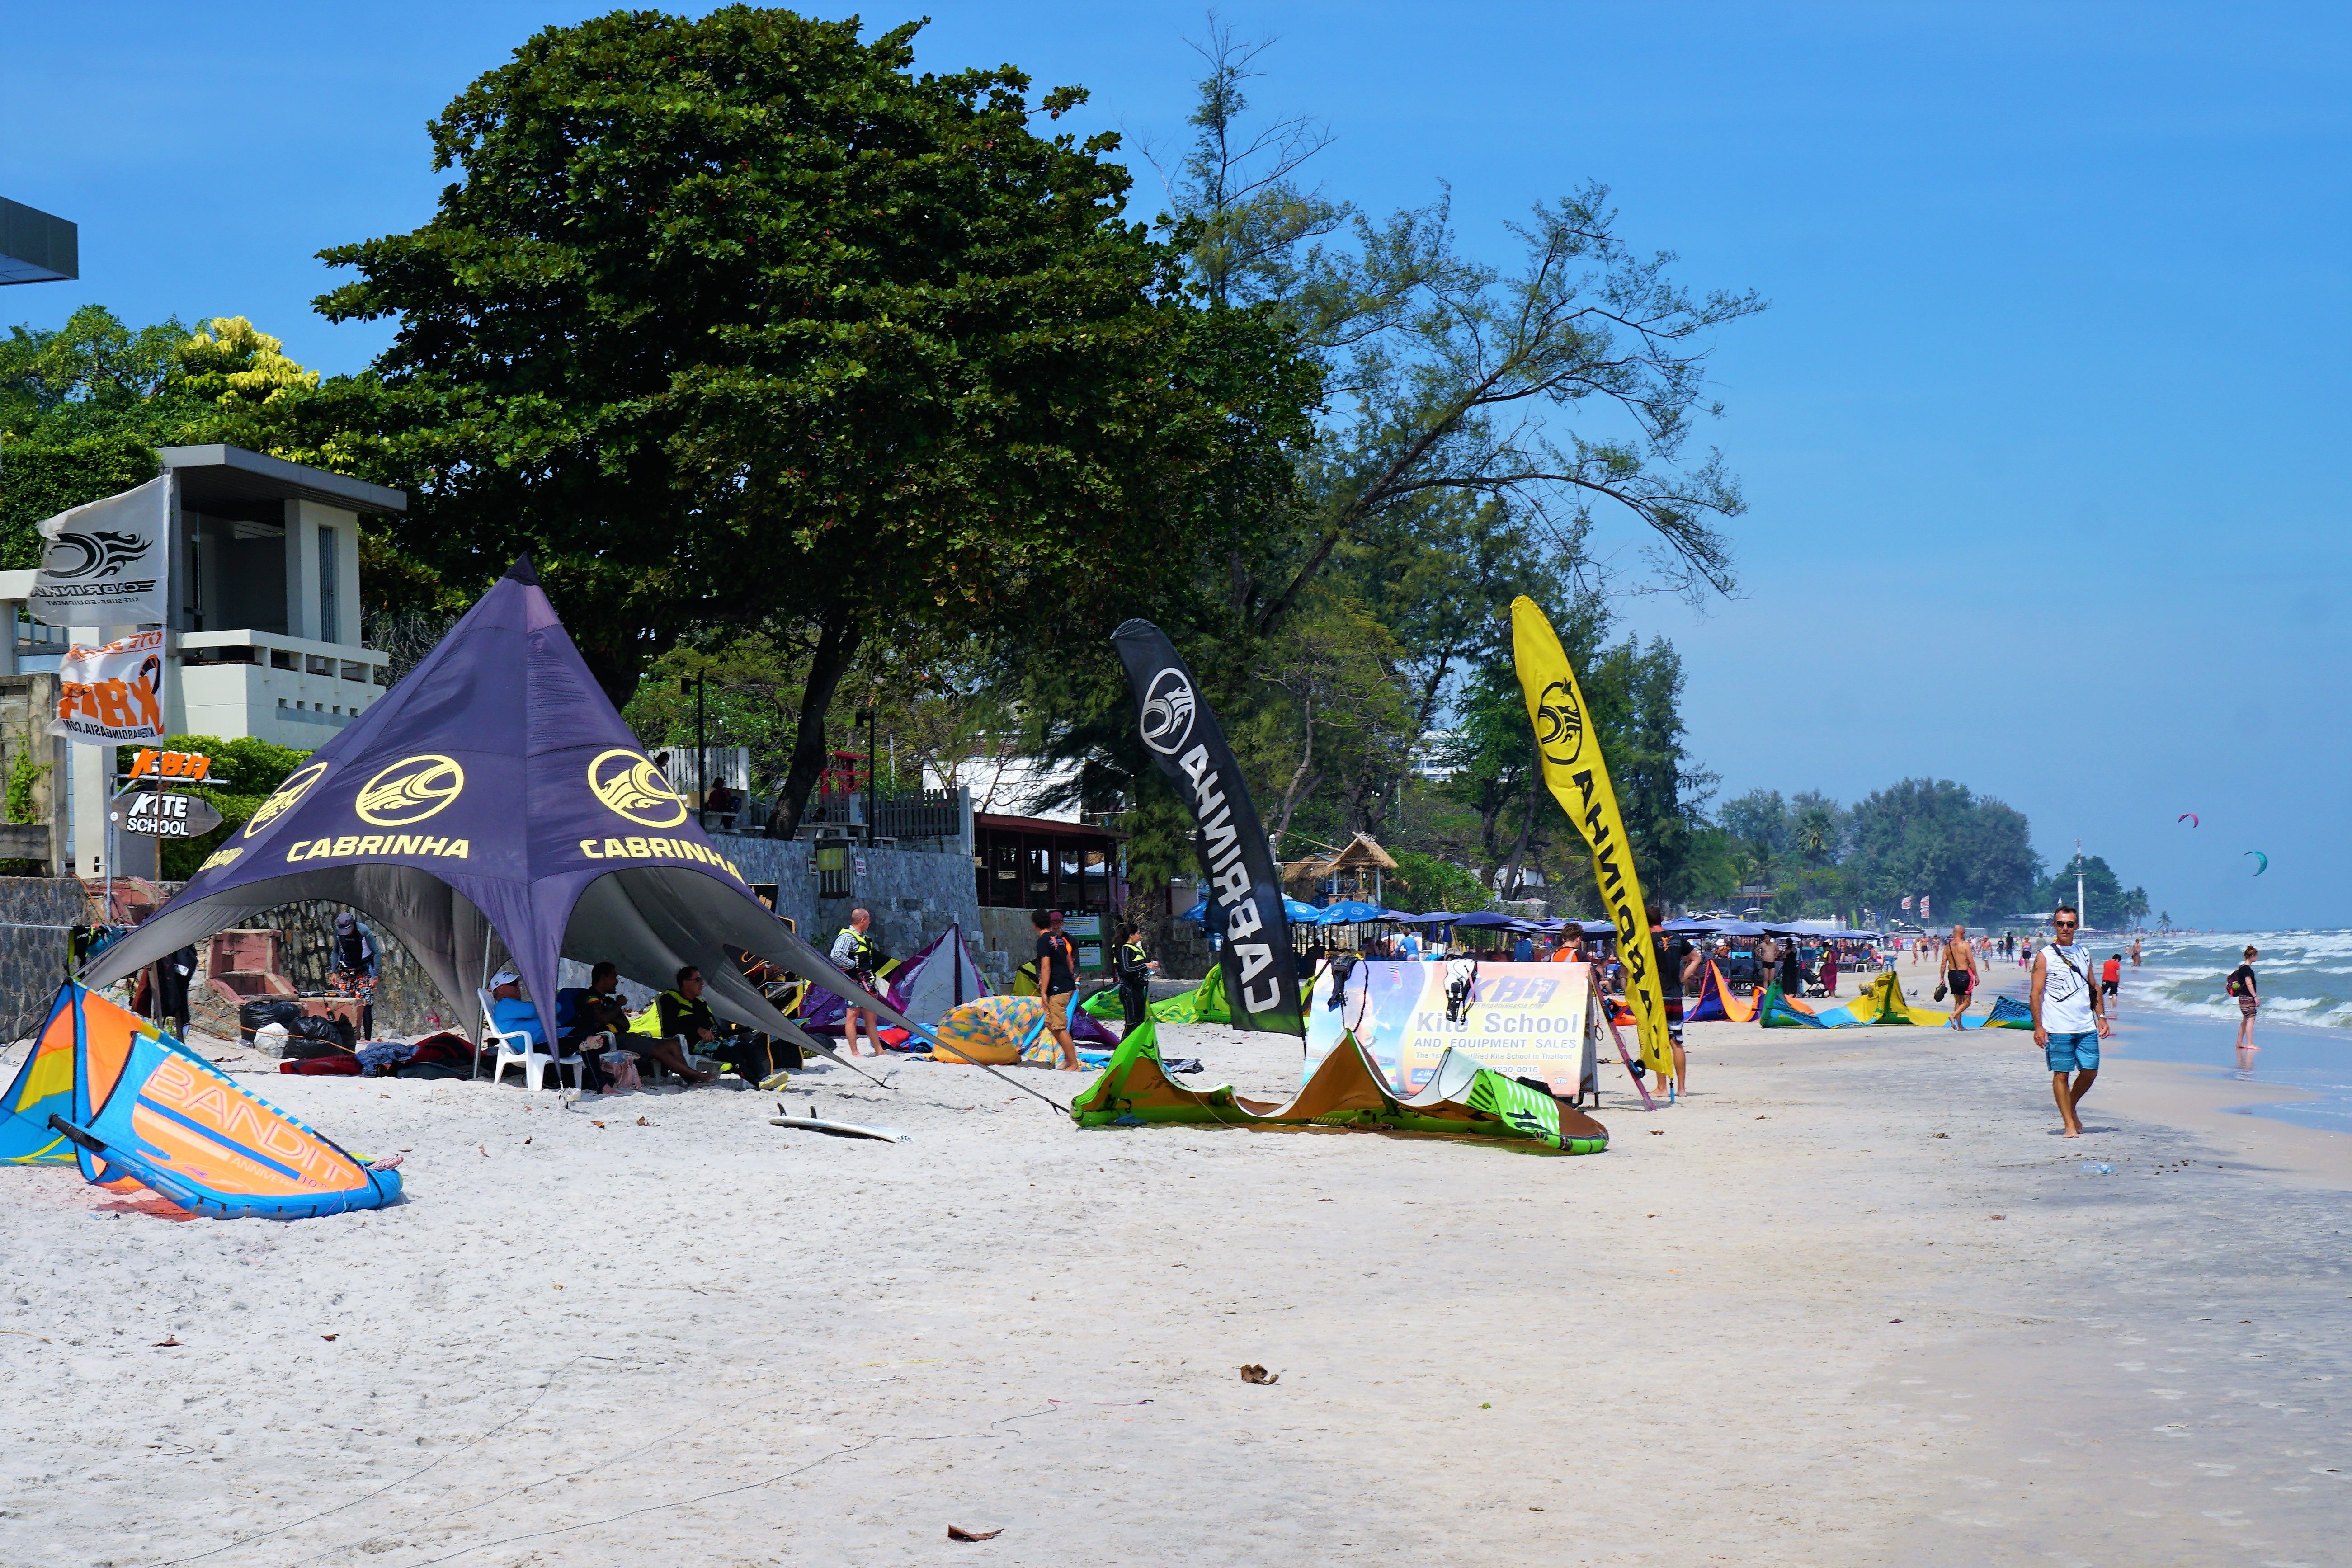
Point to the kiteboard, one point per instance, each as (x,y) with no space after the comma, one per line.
(813,1122)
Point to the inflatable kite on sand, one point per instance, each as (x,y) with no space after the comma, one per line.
(1715,999)
(136,1109)
(1882,1003)
(1347,1090)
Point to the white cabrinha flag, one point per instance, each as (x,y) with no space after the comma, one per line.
(104,565)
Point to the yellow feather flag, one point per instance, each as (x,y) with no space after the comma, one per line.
(1579,779)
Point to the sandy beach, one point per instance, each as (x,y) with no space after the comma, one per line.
(1852,1302)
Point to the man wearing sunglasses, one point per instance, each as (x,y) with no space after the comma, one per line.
(2069,1021)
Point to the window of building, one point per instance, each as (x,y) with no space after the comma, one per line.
(329,578)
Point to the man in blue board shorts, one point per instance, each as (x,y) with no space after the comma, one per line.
(2069,1021)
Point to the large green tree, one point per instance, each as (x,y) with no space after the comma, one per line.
(84,406)
(740,320)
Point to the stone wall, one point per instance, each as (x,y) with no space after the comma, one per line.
(36,913)
(913,894)
(406,1000)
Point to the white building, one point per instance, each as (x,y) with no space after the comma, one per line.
(265,635)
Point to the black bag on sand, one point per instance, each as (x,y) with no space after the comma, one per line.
(265,1010)
(330,1031)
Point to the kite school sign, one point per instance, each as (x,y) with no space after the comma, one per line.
(1524,1020)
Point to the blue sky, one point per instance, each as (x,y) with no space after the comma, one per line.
(2042,436)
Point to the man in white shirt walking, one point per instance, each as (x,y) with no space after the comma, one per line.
(2068,1020)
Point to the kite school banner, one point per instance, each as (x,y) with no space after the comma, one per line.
(103,564)
(1240,881)
(111,693)
(1524,1020)
(1577,777)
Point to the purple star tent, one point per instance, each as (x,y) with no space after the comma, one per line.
(494,790)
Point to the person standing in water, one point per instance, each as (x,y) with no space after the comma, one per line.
(2068,1023)
(2111,980)
(2135,953)
(1959,972)
(2240,985)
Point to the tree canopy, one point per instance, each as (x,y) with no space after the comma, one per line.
(737,322)
(84,406)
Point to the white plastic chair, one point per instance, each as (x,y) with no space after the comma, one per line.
(513,1049)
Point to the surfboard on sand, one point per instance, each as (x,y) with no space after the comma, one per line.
(813,1122)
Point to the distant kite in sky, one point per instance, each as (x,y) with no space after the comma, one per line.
(2263,858)
(2188,817)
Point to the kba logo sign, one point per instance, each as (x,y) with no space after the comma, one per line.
(1168,706)
(631,787)
(411,790)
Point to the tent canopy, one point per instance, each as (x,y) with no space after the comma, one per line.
(495,791)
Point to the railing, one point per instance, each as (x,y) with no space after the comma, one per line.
(920,814)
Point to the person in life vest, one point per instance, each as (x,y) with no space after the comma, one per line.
(686,1024)
(857,954)
(1135,972)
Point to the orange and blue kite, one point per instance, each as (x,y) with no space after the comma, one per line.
(136,1109)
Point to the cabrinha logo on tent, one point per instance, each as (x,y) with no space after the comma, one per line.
(633,788)
(409,790)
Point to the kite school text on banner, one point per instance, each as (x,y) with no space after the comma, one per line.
(1524,1020)
(111,693)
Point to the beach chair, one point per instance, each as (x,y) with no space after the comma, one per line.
(513,1049)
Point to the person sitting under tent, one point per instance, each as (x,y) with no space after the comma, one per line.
(687,1022)
(594,1019)
(511,1014)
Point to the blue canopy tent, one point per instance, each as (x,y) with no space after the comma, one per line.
(1299,913)
(495,791)
(1351,913)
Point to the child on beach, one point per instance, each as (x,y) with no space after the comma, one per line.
(2240,985)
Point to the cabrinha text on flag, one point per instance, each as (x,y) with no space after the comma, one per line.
(1241,882)
(1577,777)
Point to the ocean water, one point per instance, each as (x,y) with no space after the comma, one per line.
(2174,1009)
(2305,976)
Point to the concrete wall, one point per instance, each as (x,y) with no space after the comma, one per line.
(26,704)
(914,894)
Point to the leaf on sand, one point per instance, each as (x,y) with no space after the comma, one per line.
(329,1336)
(1253,1372)
(643,1123)
(167,1342)
(958,1533)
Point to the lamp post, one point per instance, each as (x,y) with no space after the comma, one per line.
(701,785)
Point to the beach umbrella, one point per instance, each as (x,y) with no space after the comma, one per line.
(1350,911)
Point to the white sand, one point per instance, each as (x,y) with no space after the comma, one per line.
(707,1340)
